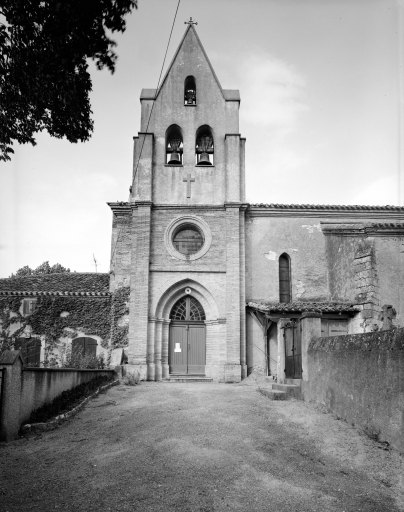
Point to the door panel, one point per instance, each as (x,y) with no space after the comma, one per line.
(196,349)
(293,352)
(187,349)
(178,349)
(333,327)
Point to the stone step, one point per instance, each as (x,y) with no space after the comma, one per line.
(284,387)
(292,390)
(293,381)
(273,394)
(189,378)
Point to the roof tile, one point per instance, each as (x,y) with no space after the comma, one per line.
(300,307)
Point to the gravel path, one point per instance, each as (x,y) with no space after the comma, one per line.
(199,447)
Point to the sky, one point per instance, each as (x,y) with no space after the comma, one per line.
(322,109)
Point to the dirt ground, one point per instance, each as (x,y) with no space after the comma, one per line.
(199,447)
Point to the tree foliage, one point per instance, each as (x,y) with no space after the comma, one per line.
(43,268)
(45,46)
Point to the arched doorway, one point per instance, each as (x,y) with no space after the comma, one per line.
(187,341)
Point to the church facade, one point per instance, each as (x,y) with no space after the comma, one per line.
(218,286)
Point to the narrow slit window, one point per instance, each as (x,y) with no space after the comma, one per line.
(285,294)
(174,145)
(189,91)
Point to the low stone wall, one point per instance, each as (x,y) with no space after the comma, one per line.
(41,385)
(24,390)
(360,378)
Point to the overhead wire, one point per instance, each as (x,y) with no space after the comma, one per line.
(157,88)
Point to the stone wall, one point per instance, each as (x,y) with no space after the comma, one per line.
(360,379)
(42,385)
(25,390)
(365,265)
(301,238)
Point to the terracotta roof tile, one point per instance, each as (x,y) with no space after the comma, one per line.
(30,293)
(325,206)
(300,307)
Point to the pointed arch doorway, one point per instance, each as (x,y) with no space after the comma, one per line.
(187,340)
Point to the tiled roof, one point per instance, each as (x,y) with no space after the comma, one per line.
(30,293)
(387,225)
(58,282)
(300,307)
(303,206)
(325,206)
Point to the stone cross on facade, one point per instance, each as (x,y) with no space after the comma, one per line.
(188,180)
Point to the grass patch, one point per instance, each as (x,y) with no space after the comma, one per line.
(131,378)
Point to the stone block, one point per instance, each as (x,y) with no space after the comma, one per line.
(116,357)
(232,373)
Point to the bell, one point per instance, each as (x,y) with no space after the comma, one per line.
(204,159)
(175,158)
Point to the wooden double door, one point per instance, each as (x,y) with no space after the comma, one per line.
(187,349)
(187,345)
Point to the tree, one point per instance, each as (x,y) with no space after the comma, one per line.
(23,272)
(43,268)
(45,46)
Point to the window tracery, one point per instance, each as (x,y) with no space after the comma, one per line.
(187,309)
(188,239)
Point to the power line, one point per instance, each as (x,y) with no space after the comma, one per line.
(148,122)
(157,88)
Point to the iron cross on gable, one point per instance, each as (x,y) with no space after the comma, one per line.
(188,180)
(190,22)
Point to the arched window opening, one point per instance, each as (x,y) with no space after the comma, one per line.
(84,347)
(285,293)
(174,145)
(187,309)
(30,350)
(190,91)
(188,239)
(204,147)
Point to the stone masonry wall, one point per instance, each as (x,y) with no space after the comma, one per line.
(121,245)
(301,238)
(360,379)
(366,283)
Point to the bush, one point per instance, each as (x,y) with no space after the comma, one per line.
(82,362)
(132,378)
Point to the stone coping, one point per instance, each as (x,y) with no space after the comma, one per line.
(81,370)
(389,340)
